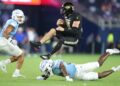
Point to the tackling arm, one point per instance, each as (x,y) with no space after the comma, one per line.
(64,71)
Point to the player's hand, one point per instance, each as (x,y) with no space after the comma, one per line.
(40,78)
(35,44)
(60,28)
(60,22)
(69,79)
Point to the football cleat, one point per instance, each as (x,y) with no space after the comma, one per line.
(113,51)
(3,66)
(16,74)
(116,68)
(45,57)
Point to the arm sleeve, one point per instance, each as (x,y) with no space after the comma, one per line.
(13,23)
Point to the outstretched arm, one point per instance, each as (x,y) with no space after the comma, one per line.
(64,71)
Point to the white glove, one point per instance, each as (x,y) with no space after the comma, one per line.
(69,79)
(40,78)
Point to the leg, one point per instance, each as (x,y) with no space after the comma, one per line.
(20,60)
(87,67)
(103,57)
(48,36)
(94,76)
(105,74)
(55,49)
(17,54)
(108,72)
(45,38)
(84,71)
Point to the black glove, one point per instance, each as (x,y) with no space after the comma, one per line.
(45,57)
(35,44)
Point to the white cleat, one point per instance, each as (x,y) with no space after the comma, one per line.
(116,68)
(113,51)
(15,75)
(3,67)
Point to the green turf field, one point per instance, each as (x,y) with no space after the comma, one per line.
(31,70)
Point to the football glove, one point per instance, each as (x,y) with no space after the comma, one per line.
(35,44)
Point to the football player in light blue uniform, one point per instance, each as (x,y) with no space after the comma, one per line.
(70,68)
(9,45)
(13,23)
(77,71)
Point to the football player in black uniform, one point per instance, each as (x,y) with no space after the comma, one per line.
(68,30)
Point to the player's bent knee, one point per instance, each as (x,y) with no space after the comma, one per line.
(21,58)
(20,53)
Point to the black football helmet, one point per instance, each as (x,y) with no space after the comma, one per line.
(67,8)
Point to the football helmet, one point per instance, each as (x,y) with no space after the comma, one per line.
(46,66)
(67,8)
(18,15)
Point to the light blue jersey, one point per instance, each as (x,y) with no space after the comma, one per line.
(70,68)
(10,22)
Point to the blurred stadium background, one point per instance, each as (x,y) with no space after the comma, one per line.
(101,30)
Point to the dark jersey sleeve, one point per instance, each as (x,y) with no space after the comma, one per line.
(76,17)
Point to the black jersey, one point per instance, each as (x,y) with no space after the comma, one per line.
(70,31)
(71,18)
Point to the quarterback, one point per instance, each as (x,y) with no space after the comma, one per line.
(77,71)
(68,30)
(9,45)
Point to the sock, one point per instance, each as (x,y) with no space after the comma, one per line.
(17,71)
(57,47)
(7,61)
